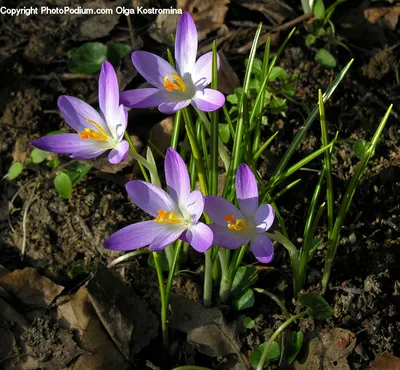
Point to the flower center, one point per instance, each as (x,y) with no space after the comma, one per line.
(165,217)
(238,225)
(173,82)
(88,133)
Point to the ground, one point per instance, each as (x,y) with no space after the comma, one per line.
(63,238)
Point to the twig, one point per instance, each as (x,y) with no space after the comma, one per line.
(24,221)
(263,38)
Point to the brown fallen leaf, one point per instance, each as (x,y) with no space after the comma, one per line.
(274,10)
(386,16)
(327,350)
(7,343)
(30,288)
(228,80)
(386,361)
(207,330)
(77,313)
(126,317)
(160,134)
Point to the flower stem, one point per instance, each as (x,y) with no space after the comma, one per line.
(275,299)
(175,130)
(226,282)
(275,335)
(142,162)
(164,303)
(207,292)
(127,256)
(172,270)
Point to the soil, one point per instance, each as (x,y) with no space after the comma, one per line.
(59,234)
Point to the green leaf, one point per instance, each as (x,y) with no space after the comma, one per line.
(316,305)
(325,58)
(63,185)
(289,89)
(277,73)
(115,52)
(38,156)
(88,58)
(310,39)
(244,301)
(257,66)
(314,245)
(77,171)
(278,105)
(79,270)
(273,354)
(162,259)
(293,343)
(245,277)
(224,132)
(360,147)
(232,98)
(249,323)
(319,9)
(15,170)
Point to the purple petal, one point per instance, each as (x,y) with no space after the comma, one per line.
(134,236)
(173,106)
(262,248)
(119,153)
(66,143)
(185,44)
(152,68)
(143,98)
(228,238)
(176,176)
(264,217)
(108,92)
(195,204)
(246,191)
(76,112)
(170,234)
(150,198)
(202,70)
(88,153)
(200,237)
(208,100)
(217,207)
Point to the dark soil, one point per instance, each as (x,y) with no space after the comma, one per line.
(365,285)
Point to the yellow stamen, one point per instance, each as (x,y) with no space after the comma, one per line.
(239,225)
(165,217)
(88,133)
(173,82)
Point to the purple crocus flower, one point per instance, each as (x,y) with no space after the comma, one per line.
(232,227)
(96,132)
(175,215)
(175,89)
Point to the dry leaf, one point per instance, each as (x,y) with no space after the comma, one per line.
(7,343)
(274,10)
(386,361)
(30,288)
(328,350)
(386,16)
(78,314)
(127,318)
(160,134)
(228,80)
(207,330)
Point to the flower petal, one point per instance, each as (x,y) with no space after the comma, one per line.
(208,100)
(143,98)
(176,176)
(228,238)
(119,153)
(217,207)
(262,248)
(185,44)
(152,68)
(88,153)
(133,236)
(264,217)
(66,143)
(195,205)
(77,113)
(171,107)
(170,234)
(150,198)
(246,191)
(108,92)
(202,70)
(200,237)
